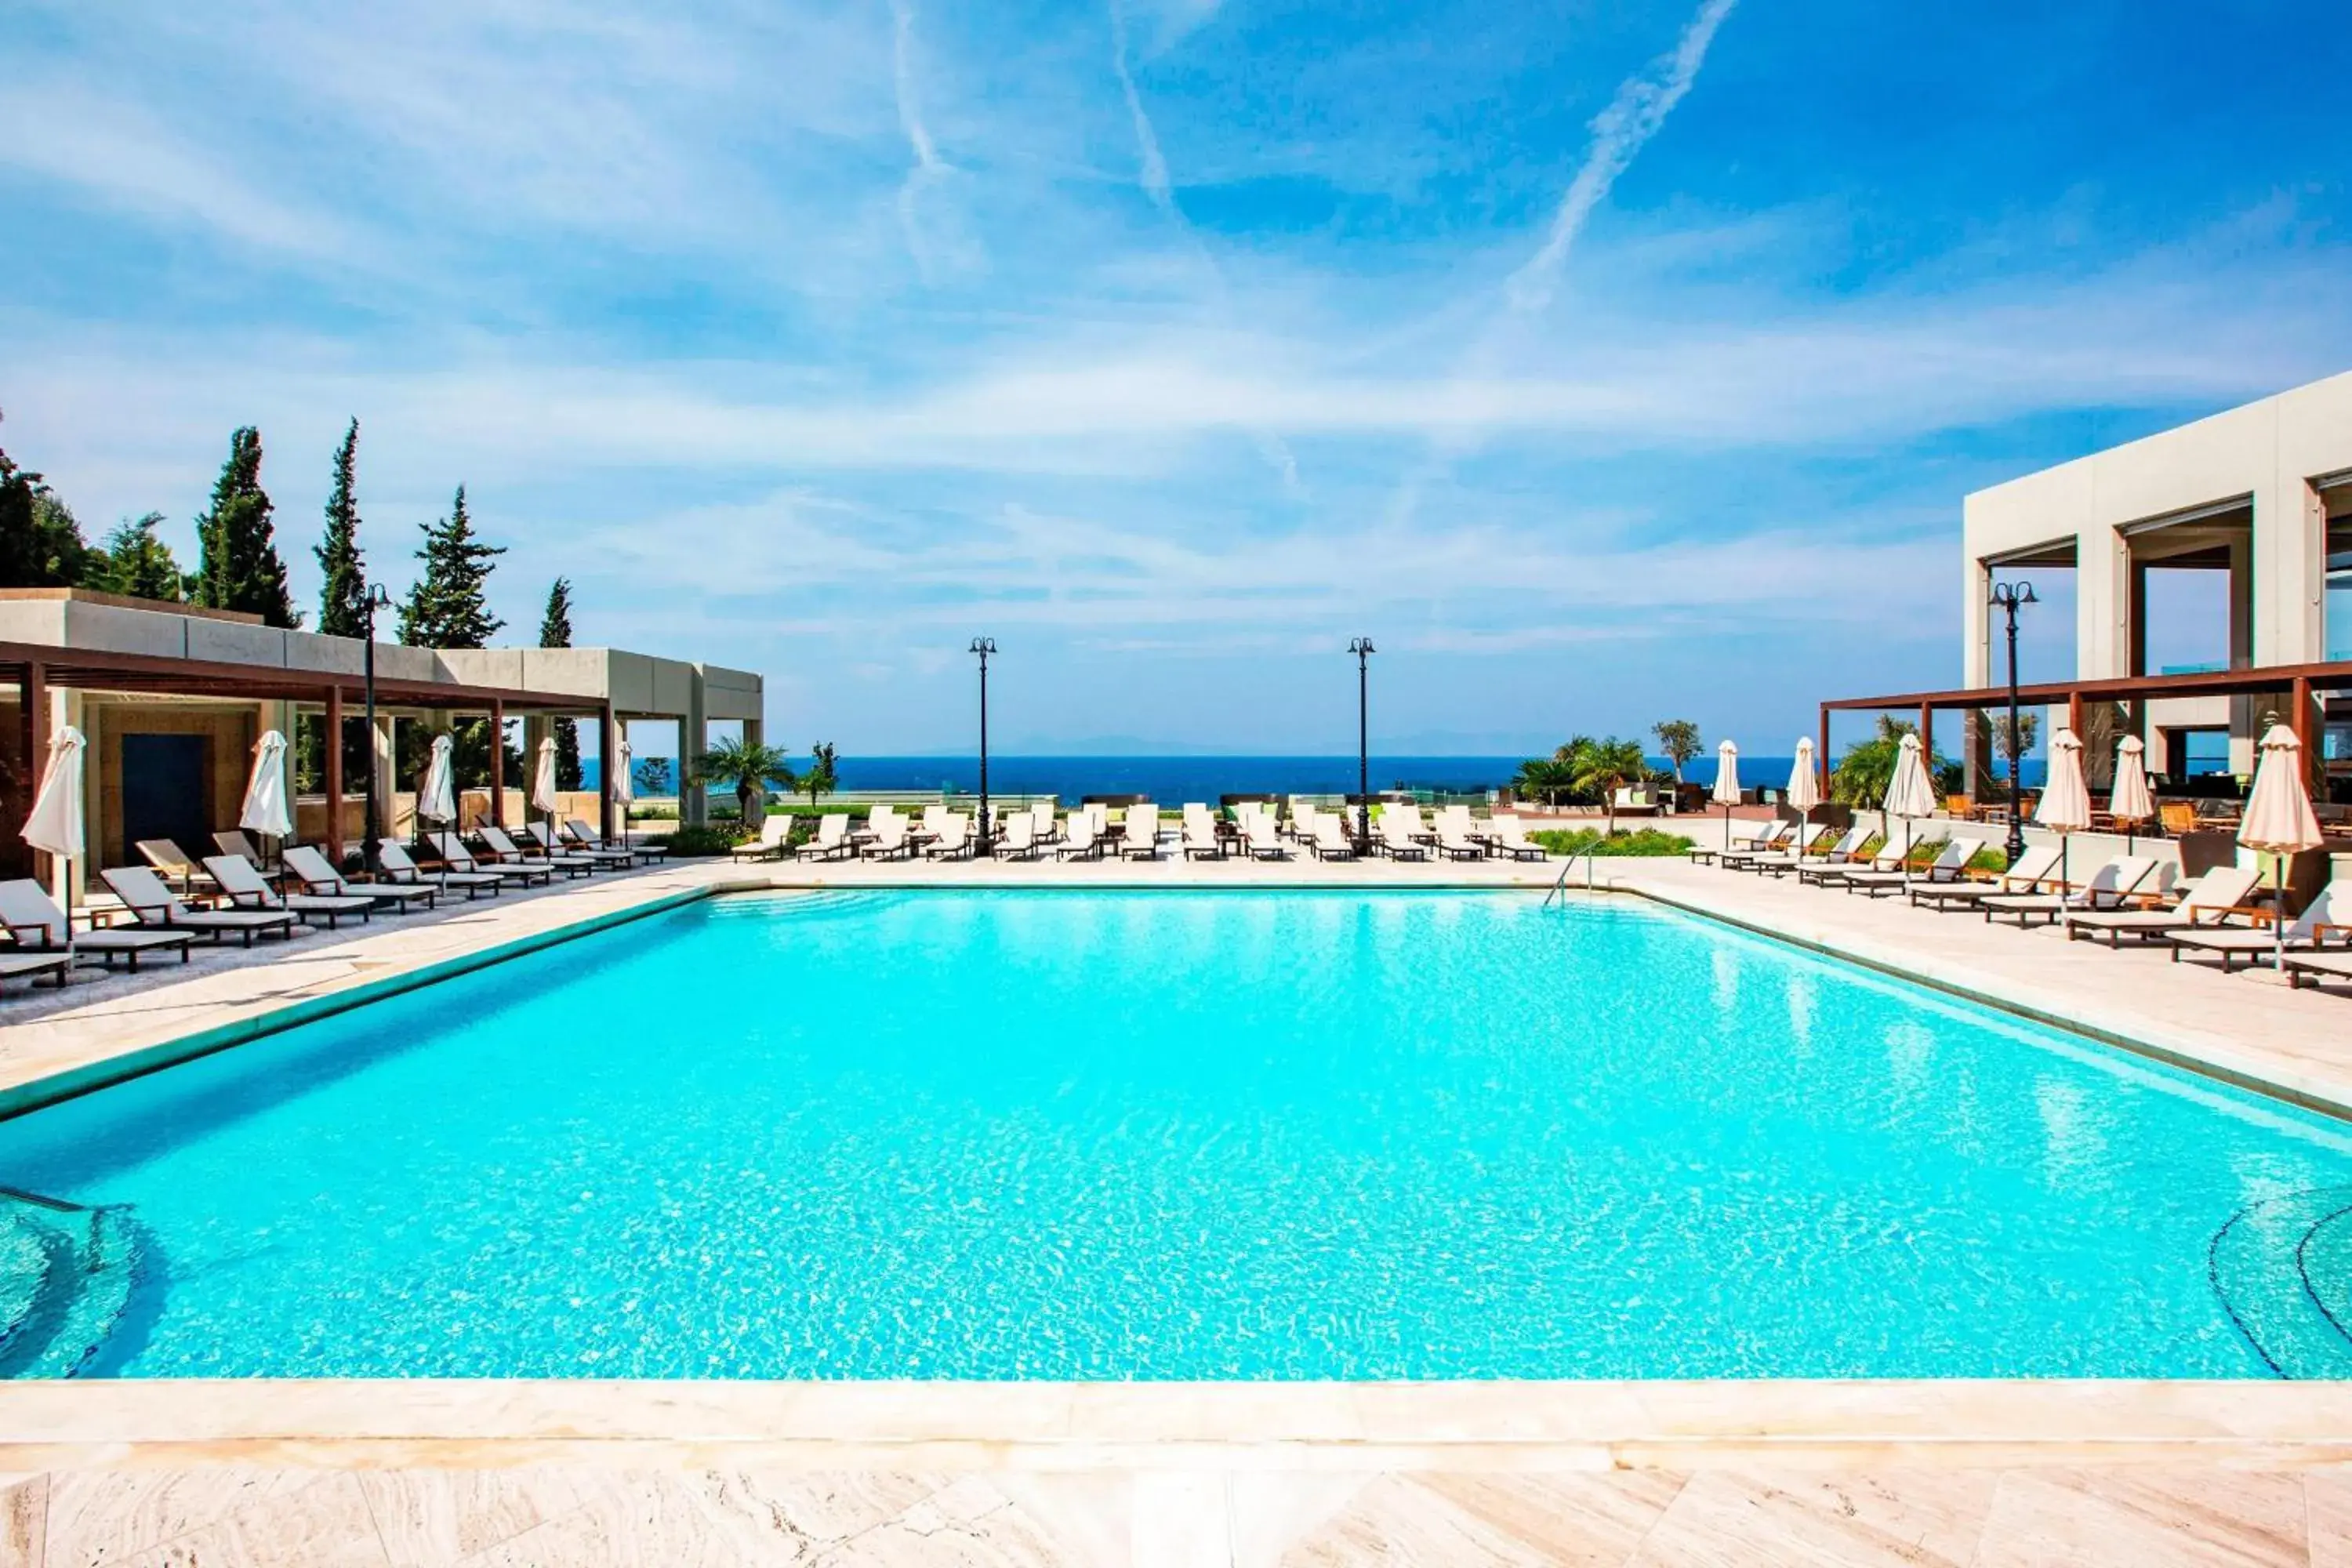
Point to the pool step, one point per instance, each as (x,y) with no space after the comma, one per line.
(2282,1269)
(67,1277)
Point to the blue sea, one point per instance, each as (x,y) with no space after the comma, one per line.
(1207,777)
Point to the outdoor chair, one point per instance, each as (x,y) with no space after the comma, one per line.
(556,849)
(451,851)
(173,862)
(37,925)
(1139,834)
(248,889)
(1019,839)
(1200,839)
(233,841)
(395,867)
(2109,887)
(2206,902)
(1397,841)
(1510,837)
(830,840)
(1331,841)
(310,867)
(508,852)
(150,903)
(2037,866)
(953,841)
(770,845)
(1260,839)
(580,836)
(2319,924)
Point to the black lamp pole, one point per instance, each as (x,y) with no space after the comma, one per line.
(372,842)
(983,646)
(2010,597)
(1363,650)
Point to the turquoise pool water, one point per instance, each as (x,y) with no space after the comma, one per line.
(1184,1135)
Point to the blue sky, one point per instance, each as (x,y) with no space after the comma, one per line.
(1603,363)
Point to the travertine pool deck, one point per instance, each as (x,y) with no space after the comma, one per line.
(524,1472)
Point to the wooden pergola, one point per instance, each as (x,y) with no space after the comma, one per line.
(2298,683)
(36,669)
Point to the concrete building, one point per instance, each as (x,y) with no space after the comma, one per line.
(172,700)
(2260,495)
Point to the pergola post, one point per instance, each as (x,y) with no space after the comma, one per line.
(2075,713)
(498,762)
(33,735)
(1928,733)
(1822,759)
(335,726)
(608,744)
(2306,732)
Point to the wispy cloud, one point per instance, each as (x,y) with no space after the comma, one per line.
(929,168)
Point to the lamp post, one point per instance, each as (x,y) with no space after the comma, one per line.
(371,842)
(983,646)
(2010,597)
(1363,650)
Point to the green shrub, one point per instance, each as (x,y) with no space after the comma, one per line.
(1643,841)
(689,841)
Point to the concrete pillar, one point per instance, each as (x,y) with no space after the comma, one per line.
(693,801)
(2103,584)
(70,707)
(333,722)
(387,780)
(1975,674)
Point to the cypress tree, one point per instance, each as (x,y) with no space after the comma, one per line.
(448,606)
(343,592)
(555,631)
(238,568)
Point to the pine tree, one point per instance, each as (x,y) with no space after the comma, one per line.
(238,568)
(447,606)
(343,594)
(137,563)
(555,631)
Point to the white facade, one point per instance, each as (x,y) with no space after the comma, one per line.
(2255,492)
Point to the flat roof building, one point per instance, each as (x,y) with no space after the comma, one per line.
(173,699)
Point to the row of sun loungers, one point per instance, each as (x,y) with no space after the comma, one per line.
(241,903)
(2125,898)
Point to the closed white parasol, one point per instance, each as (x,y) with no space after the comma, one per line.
(265,810)
(2279,819)
(1908,793)
(437,801)
(55,826)
(1804,791)
(1726,793)
(2130,803)
(2065,806)
(617,779)
(542,784)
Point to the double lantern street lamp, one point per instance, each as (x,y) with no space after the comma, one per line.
(2010,598)
(983,646)
(371,845)
(1363,650)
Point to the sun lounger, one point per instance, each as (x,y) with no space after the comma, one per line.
(1839,853)
(1199,839)
(233,841)
(150,903)
(1845,862)
(2320,923)
(451,851)
(1741,835)
(2036,866)
(893,837)
(1396,840)
(310,867)
(1456,845)
(1138,837)
(536,833)
(580,836)
(33,918)
(2203,903)
(1781,861)
(508,852)
(1779,841)
(2109,887)
(31,966)
(953,841)
(1331,841)
(770,845)
(248,889)
(830,840)
(1018,838)
(175,864)
(395,867)
(1950,868)
(1510,837)
(1081,844)
(1260,839)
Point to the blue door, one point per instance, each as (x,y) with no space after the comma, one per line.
(163,792)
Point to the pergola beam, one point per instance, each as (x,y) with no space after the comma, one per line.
(2333,676)
(102,670)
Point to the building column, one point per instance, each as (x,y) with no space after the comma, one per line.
(333,725)
(2103,583)
(1975,668)
(387,776)
(697,741)
(498,762)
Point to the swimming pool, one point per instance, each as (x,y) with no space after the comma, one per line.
(1251,1135)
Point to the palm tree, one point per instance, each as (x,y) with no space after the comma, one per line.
(820,778)
(1678,739)
(1548,778)
(1604,767)
(750,766)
